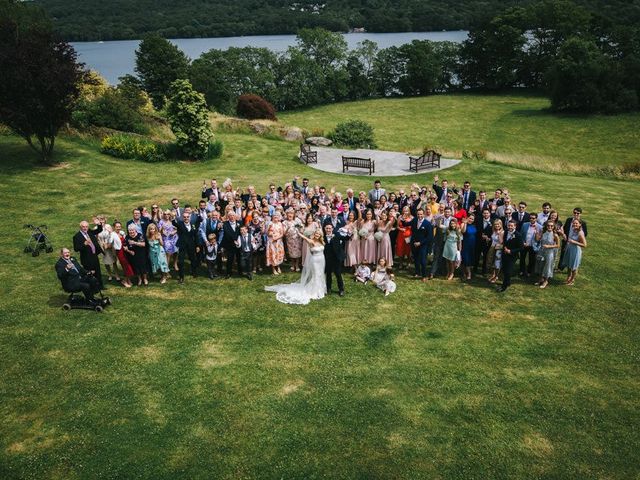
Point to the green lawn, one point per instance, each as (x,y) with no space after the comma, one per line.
(219,380)
(511,128)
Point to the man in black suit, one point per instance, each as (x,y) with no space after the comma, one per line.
(421,239)
(334,253)
(484,224)
(466,196)
(74,277)
(245,250)
(213,189)
(521,216)
(441,191)
(511,251)
(482,202)
(230,234)
(334,220)
(187,244)
(304,188)
(86,243)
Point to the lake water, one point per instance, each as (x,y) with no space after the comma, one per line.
(117,58)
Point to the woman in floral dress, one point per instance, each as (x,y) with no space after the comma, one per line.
(293,241)
(275,244)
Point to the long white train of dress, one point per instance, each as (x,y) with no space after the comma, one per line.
(312,284)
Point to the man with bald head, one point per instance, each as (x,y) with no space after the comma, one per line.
(74,277)
(86,244)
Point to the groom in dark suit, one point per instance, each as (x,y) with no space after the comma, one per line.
(511,250)
(86,243)
(334,254)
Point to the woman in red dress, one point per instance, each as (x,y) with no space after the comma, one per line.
(459,213)
(122,257)
(403,246)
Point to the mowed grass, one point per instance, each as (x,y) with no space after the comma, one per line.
(219,380)
(517,129)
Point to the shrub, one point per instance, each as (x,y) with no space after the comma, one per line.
(254,107)
(113,109)
(189,119)
(353,133)
(130,147)
(216,148)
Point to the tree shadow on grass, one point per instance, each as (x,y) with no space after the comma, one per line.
(547,112)
(16,157)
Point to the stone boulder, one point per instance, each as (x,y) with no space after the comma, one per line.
(319,141)
(293,134)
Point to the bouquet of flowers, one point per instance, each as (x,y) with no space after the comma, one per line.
(363,232)
(378,236)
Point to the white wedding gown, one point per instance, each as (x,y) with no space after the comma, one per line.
(311,285)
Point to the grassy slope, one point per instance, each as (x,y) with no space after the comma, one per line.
(515,129)
(219,380)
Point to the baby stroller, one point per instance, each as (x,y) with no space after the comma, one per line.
(38,240)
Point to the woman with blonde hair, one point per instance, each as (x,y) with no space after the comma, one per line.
(156,252)
(576,241)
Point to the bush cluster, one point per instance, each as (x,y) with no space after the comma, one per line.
(354,134)
(254,107)
(130,147)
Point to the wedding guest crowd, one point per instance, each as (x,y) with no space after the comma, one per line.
(427,231)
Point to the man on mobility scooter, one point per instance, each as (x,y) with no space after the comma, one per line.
(75,278)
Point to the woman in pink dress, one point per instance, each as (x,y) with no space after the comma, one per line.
(353,244)
(384,226)
(367,240)
(293,241)
(275,245)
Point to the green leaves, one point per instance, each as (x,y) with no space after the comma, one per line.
(188,115)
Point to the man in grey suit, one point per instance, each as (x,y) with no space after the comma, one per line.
(376,192)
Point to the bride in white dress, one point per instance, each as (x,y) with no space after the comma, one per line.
(312,283)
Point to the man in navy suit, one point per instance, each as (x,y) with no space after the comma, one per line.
(421,239)
(466,196)
(334,219)
(74,277)
(441,191)
(510,251)
(231,232)
(245,250)
(529,244)
(484,224)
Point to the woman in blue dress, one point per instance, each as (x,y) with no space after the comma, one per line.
(576,241)
(469,232)
(157,254)
(546,255)
(452,241)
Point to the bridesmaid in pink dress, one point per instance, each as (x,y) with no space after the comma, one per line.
(353,244)
(368,242)
(384,226)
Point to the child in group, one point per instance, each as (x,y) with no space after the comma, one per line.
(211,254)
(363,273)
(383,278)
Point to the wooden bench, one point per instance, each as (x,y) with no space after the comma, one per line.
(429,159)
(356,162)
(307,155)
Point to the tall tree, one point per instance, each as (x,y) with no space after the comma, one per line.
(189,119)
(40,78)
(158,63)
